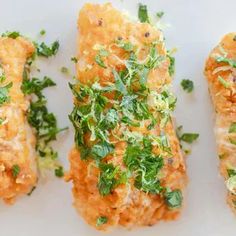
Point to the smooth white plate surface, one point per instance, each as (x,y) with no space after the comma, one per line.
(196,27)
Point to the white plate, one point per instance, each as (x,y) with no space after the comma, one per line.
(196,27)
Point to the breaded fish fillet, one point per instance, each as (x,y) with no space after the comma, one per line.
(220,72)
(127,167)
(17,143)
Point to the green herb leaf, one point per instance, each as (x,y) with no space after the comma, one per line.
(59,172)
(103,53)
(35,85)
(1,121)
(154,58)
(227,61)
(143,13)
(160,14)
(15,170)
(174,198)
(74,59)
(45,123)
(4,93)
(232,128)
(225,83)
(109,178)
(189,137)
(101,150)
(120,86)
(99,61)
(101,220)
(231,172)
(64,70)
(187,85)
(127,46)
(146,165)
(47,51)
(42,32)
(11,34)
(171,68)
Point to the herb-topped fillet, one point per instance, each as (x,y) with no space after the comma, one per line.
(26,126)
(126,166)
(220,72)
(18,173)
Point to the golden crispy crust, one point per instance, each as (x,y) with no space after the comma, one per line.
(126,205)
(17,141)
(224,101)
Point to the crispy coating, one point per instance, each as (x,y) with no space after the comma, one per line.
(126,205)
(224,101)
(17,142)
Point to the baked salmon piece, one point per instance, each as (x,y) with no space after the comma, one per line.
(17,143)
(220,72)
(127,167)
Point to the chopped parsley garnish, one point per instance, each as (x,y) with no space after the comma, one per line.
(101,220)
(127,46)
(59,172)
(47,51)
(187,85)
(172,64)
(160,14)
(4,93)
(101,150)
(109,178)
(232,128)
(143,13)
(74,59)
(42,32)
(103,53)
(64,70)
(44,122)
(174,198)
(145,165)
(15,170)
(35,85)
(231,172)
(225,83)
(189,137)
(186,137)
(99,57)
(11,34)
(226,60)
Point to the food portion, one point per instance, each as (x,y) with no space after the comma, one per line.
(26,126)
(220,72)
(18,172)
(127,167)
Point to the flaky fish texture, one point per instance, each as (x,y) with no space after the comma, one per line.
(126,206)
(220,72)
(18,173)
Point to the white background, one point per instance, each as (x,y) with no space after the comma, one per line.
(196,27)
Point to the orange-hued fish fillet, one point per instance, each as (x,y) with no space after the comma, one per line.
(126,205)
(220,72)
(17,143)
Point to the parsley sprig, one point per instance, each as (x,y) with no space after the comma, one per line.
(44,122)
